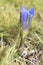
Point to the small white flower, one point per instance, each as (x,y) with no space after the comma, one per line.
(32,51)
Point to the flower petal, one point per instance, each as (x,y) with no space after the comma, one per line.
(24,14)
(31,11)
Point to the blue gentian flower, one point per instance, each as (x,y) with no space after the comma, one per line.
(32,12)
(27,16)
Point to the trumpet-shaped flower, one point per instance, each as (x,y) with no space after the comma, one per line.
(26,17)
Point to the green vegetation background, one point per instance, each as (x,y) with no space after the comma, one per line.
(9,18)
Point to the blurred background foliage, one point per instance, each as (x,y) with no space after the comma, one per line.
(9,27)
